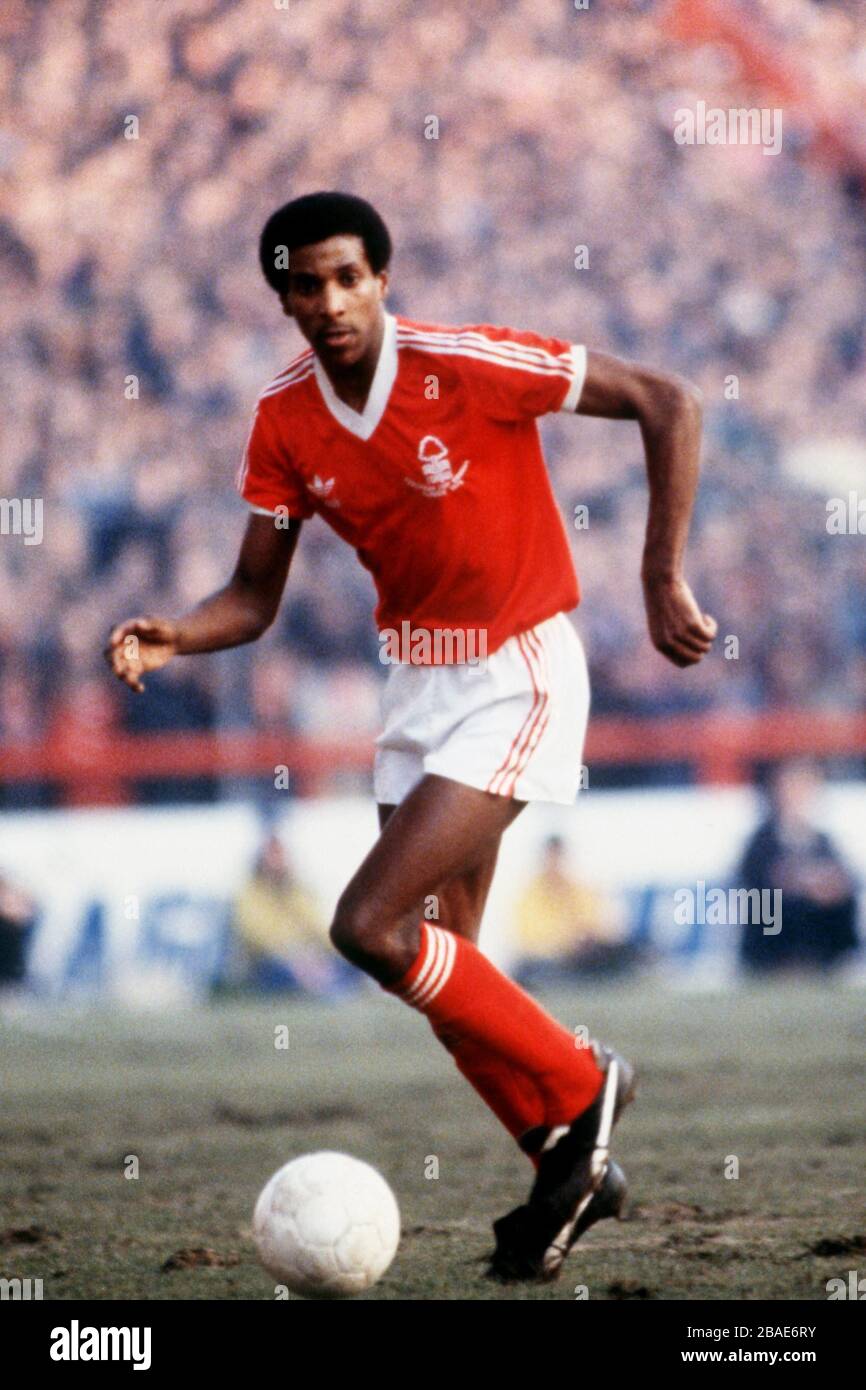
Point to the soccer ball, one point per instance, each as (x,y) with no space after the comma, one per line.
(326,1225)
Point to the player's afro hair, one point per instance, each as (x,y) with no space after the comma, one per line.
(315,217)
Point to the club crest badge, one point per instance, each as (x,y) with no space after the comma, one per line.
(438,473)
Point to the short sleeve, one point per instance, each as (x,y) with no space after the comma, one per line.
(266,478)
(516,374)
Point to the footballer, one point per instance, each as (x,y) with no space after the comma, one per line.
(418,444)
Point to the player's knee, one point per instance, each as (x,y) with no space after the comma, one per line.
(350,927)
(366,938)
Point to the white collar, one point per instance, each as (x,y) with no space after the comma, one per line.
(363,423)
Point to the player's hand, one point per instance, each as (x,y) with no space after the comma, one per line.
(140,645)
(678,628)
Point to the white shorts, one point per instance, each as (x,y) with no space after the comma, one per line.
(513,725)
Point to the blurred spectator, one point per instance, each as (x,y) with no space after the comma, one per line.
(566,927)
(818,897)
(18,915)
(281,933)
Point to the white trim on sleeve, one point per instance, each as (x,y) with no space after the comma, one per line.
(578,367)
(260,511)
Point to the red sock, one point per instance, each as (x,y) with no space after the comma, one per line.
(511,1096)
(523,1063)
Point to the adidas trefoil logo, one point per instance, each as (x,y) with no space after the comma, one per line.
(323,490)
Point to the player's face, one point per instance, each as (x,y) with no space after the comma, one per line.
(336,299)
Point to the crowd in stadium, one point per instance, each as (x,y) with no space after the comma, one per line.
(139,157)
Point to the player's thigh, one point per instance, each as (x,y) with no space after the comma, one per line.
(458,903)
(442,829)
(461,899)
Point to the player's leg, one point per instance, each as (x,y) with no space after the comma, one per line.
(444,831)
(515,729)
(458,903)
(559,1100)
(501,1039)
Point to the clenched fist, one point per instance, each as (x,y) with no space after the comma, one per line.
(678,628)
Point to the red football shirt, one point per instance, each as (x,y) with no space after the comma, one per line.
(439,483)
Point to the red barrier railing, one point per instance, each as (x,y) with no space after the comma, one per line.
(96,768)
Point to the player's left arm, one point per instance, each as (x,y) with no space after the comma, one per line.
(668,410)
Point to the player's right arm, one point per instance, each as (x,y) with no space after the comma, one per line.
(238,613)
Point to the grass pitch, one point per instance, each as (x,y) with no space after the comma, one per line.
(770,1077)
